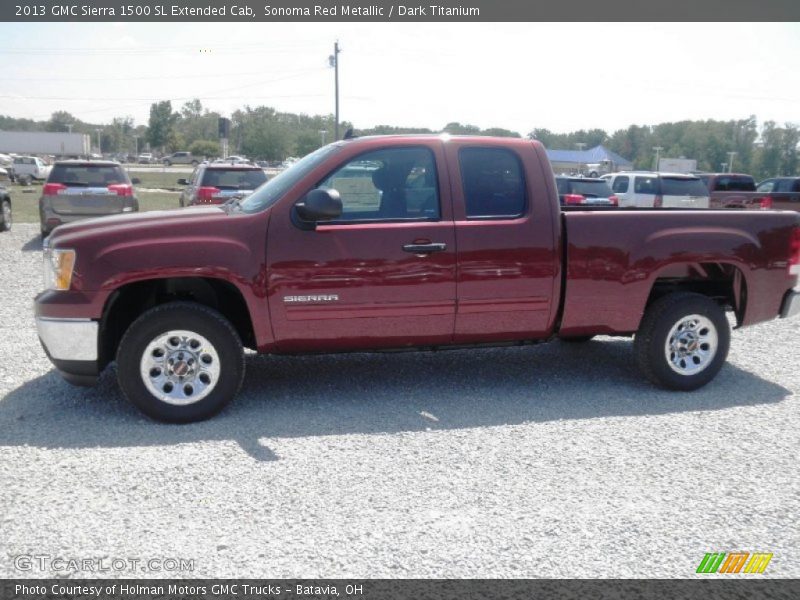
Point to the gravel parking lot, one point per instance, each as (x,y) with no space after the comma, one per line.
(548,461)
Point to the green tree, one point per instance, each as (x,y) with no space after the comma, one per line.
(206,148)
(161,124)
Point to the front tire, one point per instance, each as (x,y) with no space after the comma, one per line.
(683,341)
(180,362)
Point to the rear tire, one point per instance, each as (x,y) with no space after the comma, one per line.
(6,218)
(683,341)
(180,362)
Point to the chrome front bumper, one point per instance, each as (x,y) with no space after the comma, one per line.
(69,339)
(791,304)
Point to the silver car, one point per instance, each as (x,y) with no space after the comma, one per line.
(78,189)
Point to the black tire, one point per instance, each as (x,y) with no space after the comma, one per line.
(167,163)
(650,343)
(578,339)
(195,163)
(192,317)
(6,219)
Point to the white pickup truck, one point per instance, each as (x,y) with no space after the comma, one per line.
(29,168)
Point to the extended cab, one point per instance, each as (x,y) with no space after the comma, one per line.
(407,242)
(781,193)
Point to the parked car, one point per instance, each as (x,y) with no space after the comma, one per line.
(6,217)
(781,193)
(408,255)
(30,168)
(656,190)
(215,183)
(181,158)
(732,190)
(574,191)
(145,158)
(79,189)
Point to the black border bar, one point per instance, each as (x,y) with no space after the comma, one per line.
(409,11)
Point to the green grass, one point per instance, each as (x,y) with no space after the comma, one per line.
(25,201)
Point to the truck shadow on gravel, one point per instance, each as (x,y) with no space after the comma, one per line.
(288,397)
(33,244)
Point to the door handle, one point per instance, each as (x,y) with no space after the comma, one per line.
(425,248)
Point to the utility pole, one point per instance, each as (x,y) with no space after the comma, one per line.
(99,149)
(333,60)
(731,155)
(657,150)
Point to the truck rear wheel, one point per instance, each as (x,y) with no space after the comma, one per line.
(180,362)
(683,341)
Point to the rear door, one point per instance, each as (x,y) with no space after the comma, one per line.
(645,190)
(382,275)
(505,230)
(87,189)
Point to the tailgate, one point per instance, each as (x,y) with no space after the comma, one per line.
(685,202)
(86,201)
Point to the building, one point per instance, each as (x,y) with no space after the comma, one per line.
(592,162)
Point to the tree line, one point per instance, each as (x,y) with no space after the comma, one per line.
(262,132)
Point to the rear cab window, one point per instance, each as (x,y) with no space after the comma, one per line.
(734,183)
(493,183)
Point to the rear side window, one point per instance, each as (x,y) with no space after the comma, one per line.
(683,186)
(645,185)
(88,175)
(234,179)
(787,185)
(620,184)
(494,186)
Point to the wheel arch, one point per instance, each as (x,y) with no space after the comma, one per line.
(127,302)
(724,282)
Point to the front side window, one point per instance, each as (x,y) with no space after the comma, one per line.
(620,184)
(766,186)
(493,182)
(390,184)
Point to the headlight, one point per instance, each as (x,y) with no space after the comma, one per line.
(58,265)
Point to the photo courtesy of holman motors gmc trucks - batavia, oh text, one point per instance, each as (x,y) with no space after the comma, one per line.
(403,242)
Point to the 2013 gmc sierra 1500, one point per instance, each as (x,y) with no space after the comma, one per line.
(397,243)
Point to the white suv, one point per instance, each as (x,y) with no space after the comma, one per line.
(645,189)
(30,168)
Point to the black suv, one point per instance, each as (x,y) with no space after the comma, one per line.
(216,183)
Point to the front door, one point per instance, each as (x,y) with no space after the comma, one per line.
(380,276)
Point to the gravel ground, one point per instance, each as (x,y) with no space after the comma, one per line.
(547,461)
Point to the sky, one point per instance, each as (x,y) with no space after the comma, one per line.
(520,76)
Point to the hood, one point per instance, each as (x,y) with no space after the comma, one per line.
(131,224)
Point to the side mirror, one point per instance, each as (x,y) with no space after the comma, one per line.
(319,205)
(183,181)
(136,181)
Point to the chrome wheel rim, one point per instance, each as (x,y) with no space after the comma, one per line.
(180,367)
(691,345)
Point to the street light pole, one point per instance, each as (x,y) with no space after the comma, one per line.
(333,60)
(731,156)
(99,149)
(658,150)
(322,133)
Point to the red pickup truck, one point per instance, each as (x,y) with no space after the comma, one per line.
(408,242)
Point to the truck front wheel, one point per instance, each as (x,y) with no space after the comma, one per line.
(683,341)
(180,362)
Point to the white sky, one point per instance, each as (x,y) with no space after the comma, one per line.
(560,76)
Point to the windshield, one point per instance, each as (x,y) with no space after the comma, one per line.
(275,188)
(87,175)
(683,186)
(598,189)
(234,179)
